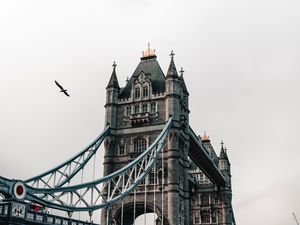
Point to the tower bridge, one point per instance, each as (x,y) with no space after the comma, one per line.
(153,163)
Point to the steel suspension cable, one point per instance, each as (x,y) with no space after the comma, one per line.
(134,198)
(122,210)
(162,185)
(108,208)
(92,191)
(154,191)
(145,199)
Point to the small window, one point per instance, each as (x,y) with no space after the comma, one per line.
(128,110)
(204,200)
(139,145)
(153,107)
(145,91)
(214,217)
(137,109)
(202,178)
(216,199)
(145,108)
(194,198)
(137,92)
(152,178)
(205,218)
(121,150)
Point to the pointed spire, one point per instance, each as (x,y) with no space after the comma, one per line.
(172,71)
(113,82)
(182,80)
(223,154)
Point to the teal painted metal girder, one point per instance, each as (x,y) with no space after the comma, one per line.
(63,173)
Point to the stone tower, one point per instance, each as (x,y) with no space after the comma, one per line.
(137,113)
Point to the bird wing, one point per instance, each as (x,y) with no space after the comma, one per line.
(66,93)
(59,85)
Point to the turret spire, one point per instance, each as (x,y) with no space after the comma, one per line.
(172,71)
(113,82)
(223,153)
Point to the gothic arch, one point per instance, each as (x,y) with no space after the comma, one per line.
(128,209)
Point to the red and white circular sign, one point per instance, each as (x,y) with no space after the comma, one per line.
(19,190)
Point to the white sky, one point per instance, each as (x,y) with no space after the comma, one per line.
(242,71)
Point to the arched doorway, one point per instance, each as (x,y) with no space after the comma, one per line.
(136,214)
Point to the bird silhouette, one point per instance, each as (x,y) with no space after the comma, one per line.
(62,89)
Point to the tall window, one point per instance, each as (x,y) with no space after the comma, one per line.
(145,91)
(216,199)
(128,110)
(121,150)
(214,217)
(153,107)
(145,108)
(204,200)
(139,145)
(137,92)
(136,109)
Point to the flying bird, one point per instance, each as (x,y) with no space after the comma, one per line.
(62,89)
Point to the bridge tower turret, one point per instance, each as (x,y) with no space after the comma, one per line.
(177,147)
(112,94)
(226,192)
(224,164)
(137,113)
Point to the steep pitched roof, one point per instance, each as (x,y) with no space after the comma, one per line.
(113,82)
(149,66)
(223,154)
(172,71)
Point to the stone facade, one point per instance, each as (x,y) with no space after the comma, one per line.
(137,113)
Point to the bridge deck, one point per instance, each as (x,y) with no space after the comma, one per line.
(202,159)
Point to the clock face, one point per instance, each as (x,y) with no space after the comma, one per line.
(18,210)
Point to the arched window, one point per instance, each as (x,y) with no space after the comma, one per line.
(145,91)
(137,92)
(139,145)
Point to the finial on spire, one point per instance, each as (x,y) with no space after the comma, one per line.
(205,137)
(172,54)
(148,53)
(181,73)
(114,65)
(222,144)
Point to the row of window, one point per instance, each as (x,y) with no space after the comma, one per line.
(139,145)
(141,108)
(137,92)
(206,218)
(205,199)
(153,179)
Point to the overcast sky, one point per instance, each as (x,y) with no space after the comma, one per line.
(242,70)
